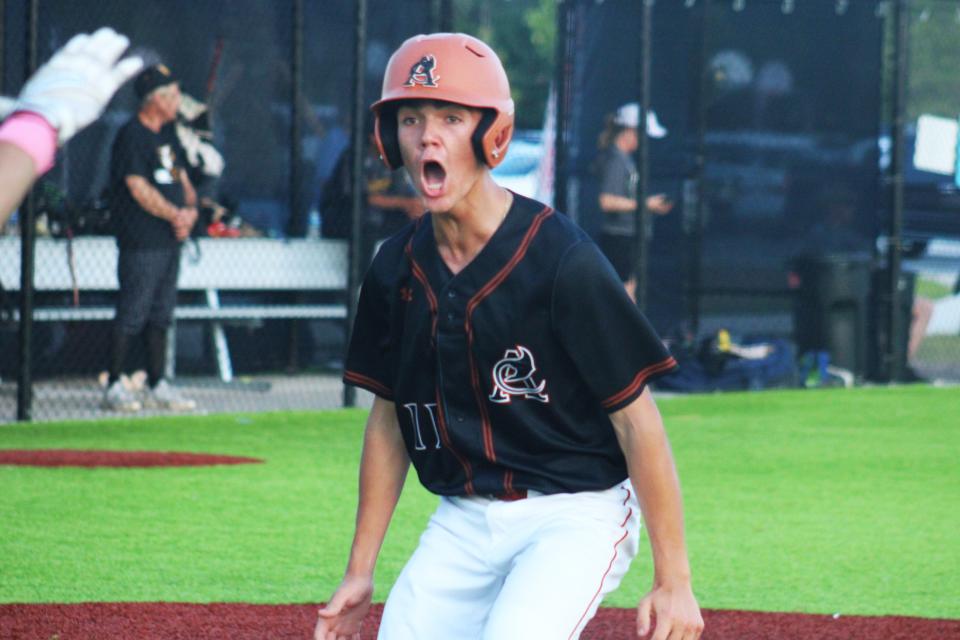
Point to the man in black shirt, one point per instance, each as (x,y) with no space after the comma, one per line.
(154,205)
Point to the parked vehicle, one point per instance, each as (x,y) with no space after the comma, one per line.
(520,170)
(931,202)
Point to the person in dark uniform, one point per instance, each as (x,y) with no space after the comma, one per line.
(154,206)
(510,368)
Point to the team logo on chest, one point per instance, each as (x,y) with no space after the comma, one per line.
(421,73)
(513,376)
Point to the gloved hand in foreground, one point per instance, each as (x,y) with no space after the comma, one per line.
(72,89)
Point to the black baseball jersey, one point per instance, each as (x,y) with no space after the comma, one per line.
(157,157)
(503,375)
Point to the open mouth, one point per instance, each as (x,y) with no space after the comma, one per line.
(433,178)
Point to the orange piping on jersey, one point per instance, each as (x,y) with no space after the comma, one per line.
(509,493)
(431,298)
(368,383)
(432,301)
(445,437)
(444,434)
(639,380)
(616,544)
(485,291)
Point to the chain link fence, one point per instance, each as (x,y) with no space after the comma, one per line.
(267,110)
(777,159)
(931,217)
(772,137)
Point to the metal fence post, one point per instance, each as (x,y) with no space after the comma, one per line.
(3,47)
(441,15)
(297,224)
(901,39)
(28,238)
(641,215)
(359,145)
(694,224)
(562,71)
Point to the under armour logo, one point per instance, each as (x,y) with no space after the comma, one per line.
(406,294)
(421,73)
(513,376)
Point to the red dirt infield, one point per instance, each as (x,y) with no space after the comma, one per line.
(119,459)
(175,621)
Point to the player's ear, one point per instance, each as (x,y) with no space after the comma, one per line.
(501,141)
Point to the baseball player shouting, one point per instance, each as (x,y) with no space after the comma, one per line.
(510,367)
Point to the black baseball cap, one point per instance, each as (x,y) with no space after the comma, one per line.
(151,78)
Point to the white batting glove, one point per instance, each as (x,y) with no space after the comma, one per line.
(72,89)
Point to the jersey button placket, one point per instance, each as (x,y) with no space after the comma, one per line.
(451,314)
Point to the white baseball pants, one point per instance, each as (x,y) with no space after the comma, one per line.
(536,568)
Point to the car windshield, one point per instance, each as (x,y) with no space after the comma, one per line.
(516,165)
(523,157)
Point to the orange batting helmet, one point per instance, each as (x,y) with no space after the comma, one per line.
(452,67)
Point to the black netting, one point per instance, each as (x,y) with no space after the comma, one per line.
(260,302)
(776,157)
(779,228)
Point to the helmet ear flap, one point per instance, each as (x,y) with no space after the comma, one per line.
(385,132)
(489,140)
(489,115)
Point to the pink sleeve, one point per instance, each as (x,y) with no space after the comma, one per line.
(34,135)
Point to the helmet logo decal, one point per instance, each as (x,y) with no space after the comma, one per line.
(421,73)
(513,376)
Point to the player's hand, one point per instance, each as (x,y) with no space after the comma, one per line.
(190,215)
(179,228)
(344,613)
(659,204)
(672,614)
(72,89)
(183,222)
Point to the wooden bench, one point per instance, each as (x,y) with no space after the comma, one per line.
(211,266)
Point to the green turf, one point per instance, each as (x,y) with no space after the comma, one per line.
(932,289)
(939,349)
(833,501)
(818,501)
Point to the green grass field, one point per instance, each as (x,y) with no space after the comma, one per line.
(933,289)
(815,501)
(939,349)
